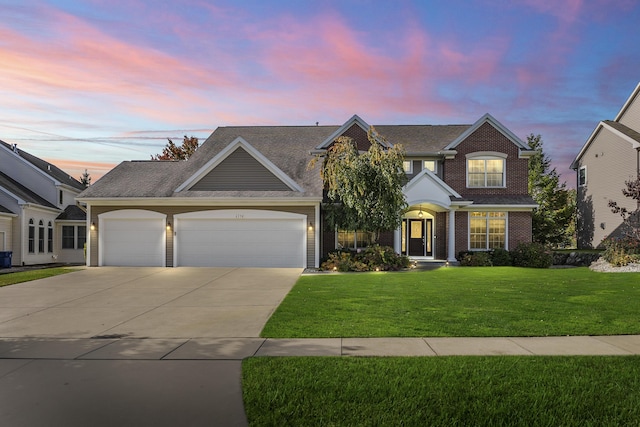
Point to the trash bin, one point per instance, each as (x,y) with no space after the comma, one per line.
(5,259)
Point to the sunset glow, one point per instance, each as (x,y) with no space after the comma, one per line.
(88,84)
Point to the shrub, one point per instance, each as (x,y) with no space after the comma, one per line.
(500,257)
(475,259)
(621,252)
(373,258)
(532,255)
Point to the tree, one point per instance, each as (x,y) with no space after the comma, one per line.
(85,179)
(364,189)
(630,218)
(173,152)
(553,219)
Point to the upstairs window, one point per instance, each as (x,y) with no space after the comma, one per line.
(407,165)
(485,171)
(431,165)
(582,176)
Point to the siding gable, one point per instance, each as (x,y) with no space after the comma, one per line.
(240,171)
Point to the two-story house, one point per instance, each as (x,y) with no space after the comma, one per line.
(39,220)
(247,198)
(609,158)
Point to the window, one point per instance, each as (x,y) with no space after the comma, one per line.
(582,176)
(61,197)
(487,230)
(81,237)
(353,239)
(49,237)
(68,236)
(40,236)
(431,165)
(485,172)
(407,165)
(74,236)
(32,237)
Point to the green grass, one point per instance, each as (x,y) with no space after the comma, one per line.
(496,301)
(26,276)
(450,391)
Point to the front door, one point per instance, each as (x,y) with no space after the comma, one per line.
(419,236)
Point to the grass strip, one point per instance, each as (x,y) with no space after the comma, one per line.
(26,276)
(485,301)
(442,391)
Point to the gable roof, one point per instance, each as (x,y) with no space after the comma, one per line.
(233,149)
(22,193)
(45,167)
(488,118)
(72,213)
(284,151)
(634,95)
(623,132)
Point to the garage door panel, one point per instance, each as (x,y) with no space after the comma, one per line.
(240,243)
(133,242)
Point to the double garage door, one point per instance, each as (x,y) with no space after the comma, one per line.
(220,238)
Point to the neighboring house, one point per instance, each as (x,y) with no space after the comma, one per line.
(39,220)
(610,157)
(247,198)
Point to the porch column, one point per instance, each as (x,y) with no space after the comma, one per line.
(451,255)
(397,242)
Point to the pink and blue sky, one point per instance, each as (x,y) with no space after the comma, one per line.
(91,83)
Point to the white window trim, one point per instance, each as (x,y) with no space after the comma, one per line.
(435,165)
(487,155)
(410,170)
(76,234)
(582,168)
(506,231)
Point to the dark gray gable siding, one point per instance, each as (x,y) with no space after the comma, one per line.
(240,171)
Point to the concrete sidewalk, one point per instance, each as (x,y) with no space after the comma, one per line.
(241,348)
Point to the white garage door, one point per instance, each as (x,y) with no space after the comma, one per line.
(132,238)
(240,238)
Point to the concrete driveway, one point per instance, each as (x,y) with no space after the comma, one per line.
(121,302)
(72,353)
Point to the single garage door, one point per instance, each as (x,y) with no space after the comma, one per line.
(132,238)
(240,238)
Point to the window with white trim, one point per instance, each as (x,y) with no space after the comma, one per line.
(40,236)
(485,172)
(407,165)
(349,239)
(487,230)
(431,165)
(32,236)
(582,176)
(49,237)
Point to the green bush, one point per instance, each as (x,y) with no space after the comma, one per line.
(373,258)
(500,257)
(532,255)
(475,259)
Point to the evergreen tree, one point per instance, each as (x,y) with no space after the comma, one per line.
(85,179)
(554,217)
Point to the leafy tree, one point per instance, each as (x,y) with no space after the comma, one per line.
(85,179)
(630,218)
(553,219)
(364,189)
(173,152)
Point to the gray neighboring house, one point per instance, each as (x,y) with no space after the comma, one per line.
(40,222)
(608,158)
(247,198)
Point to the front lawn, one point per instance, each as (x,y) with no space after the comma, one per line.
(26,276)
(489,301)
(449,391)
